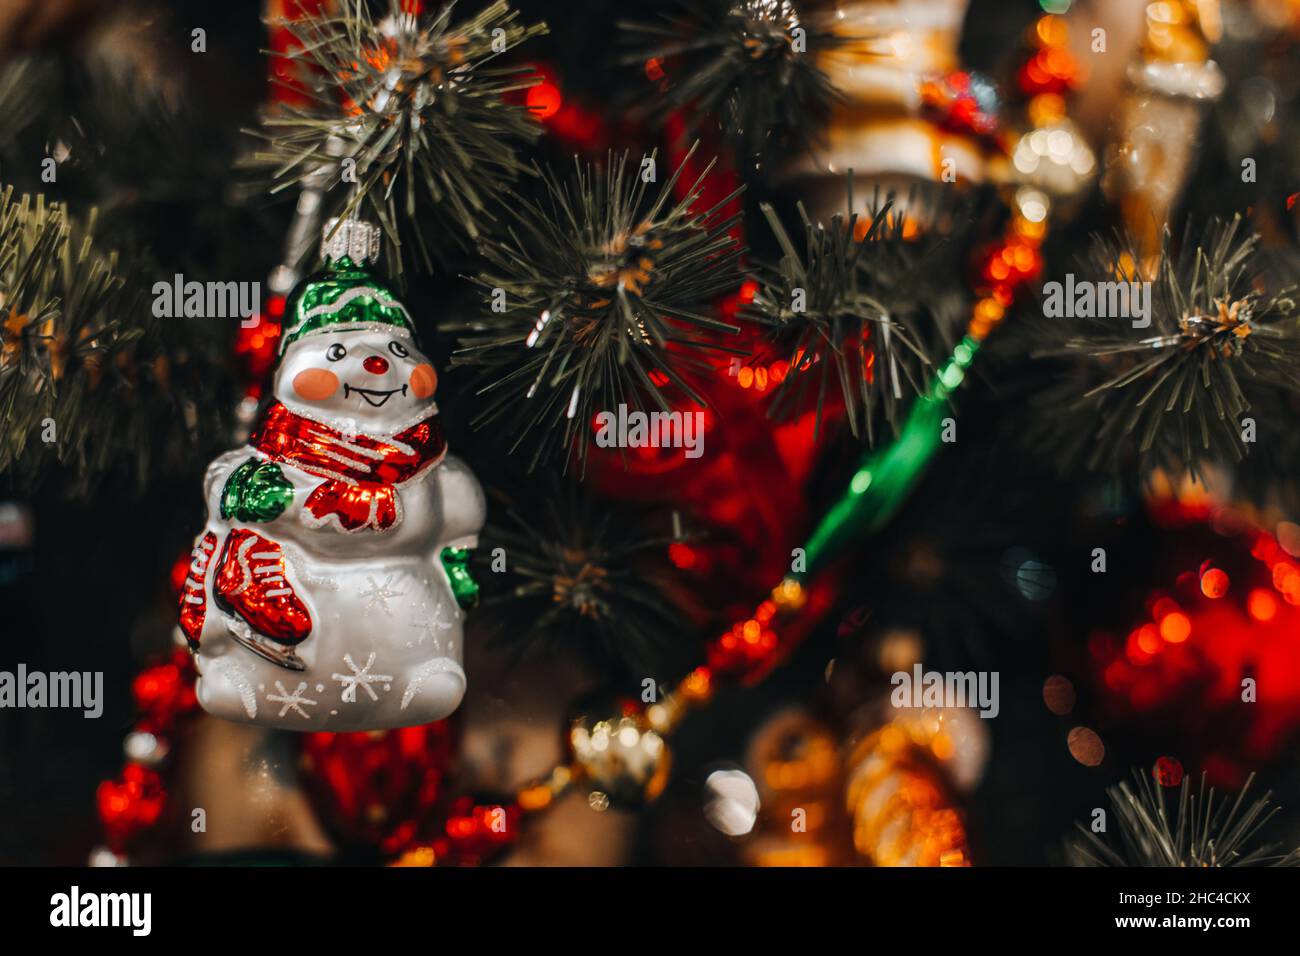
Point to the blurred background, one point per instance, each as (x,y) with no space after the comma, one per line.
(994,145)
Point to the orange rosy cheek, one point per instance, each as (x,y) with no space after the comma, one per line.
(424,380)
(315,384)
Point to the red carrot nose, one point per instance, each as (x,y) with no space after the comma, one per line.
(375,365)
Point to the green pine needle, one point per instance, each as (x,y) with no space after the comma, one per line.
(843,313)
(607,298)
(407,116)
(586,579)
(1197,834)
(750,65)
(89,378)
(1174,395)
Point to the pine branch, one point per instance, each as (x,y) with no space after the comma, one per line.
(87,375)
(750,65)
(846,312)
(1197,834)
(585,579)
(1173,394)
(414,102)
(607,299)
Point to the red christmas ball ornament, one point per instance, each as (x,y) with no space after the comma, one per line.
(379,789)
(747,489)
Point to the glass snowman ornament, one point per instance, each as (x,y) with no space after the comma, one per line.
(327,591)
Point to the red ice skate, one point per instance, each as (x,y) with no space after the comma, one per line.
(194,603)
(251,583)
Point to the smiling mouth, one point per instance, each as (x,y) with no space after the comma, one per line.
(375,397)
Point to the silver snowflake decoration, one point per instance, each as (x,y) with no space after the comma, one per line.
(430,624)
(378,595)
(294,701)
(360,677)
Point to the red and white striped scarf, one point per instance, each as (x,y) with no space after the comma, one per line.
(363,472)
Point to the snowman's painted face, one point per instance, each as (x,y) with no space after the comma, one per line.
(373,380)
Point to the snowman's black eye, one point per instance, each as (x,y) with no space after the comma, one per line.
(398,349)
(335,352)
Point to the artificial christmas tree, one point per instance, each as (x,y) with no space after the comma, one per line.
(737,217)
(344,523)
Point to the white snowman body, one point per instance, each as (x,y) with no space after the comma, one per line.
(385,645)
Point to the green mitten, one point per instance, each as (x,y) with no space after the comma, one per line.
(463,585)
(256,491)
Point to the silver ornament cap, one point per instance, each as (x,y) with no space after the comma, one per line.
(353,238)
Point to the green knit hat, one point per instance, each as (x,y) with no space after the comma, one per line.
(344,294)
